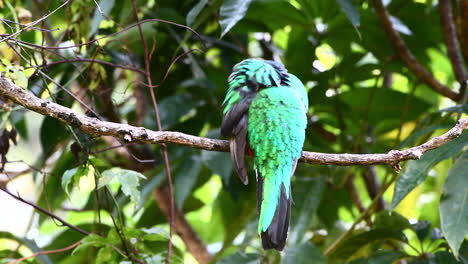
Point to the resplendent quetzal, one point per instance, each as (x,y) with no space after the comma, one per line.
(265,115)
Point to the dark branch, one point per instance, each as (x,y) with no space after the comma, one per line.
(463,11)
(408,58)
(450,36)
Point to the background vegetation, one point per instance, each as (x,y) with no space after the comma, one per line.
(380,76)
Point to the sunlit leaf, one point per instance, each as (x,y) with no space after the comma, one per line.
(193,13)
(73,176)
(91,240)
(231,12)
(454,204)
(128,179)
(416,171)
(104,6)
(351,12)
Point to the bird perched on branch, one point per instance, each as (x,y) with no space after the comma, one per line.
(265,116)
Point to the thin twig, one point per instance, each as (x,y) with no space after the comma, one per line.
(42,210)
(46,252)
(125,67)
(167,167)
(30,25)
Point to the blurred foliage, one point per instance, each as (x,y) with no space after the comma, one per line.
(362,100)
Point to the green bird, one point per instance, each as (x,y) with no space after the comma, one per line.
(265,116)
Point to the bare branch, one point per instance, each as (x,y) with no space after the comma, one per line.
(408,58)
(44,211)
(165,154)
(132,134)
(450,36)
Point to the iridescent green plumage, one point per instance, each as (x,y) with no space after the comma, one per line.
(265,107)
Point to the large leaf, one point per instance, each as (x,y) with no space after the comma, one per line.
(416,170)
(173,108)
(388,225)
(128,179)
(218,162)
(231,12)
(380,107)
(53,132)
(307,193)
(185,178)
(73,175)
(53,196)
(380,257)
(454,203)
(104,6)
(193,13)
(351,12)
(303,253)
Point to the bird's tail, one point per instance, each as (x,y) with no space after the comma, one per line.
(275,204)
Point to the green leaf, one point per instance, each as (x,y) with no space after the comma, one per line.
(307,193)
(443,257)
(185,178)
(231,12)
(104,6)
(463,252)
(391,220)
(422,229)
(91,240)
(454,203)
(106,254)
(381,257)
(351,12)
(354,243)
(303,254)
(54,196)
(387,225)
(129,181)
(173,108)
(73,175)
(218,162)
(244,258)
(31,244)
(416,170)
(52,133)
(68,237)
(193,13)
(380,109)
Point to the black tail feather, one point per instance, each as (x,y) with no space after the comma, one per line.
(275,236)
